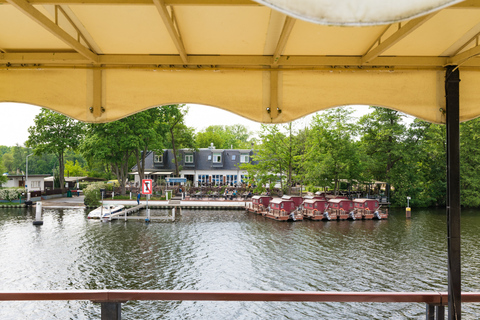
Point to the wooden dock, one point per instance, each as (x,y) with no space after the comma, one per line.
(124,215)
(127,211)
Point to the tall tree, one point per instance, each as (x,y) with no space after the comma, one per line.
(112,143)
(55,133)
(332,153)
(275,158)
(147,134)
(470,164)
(173,117)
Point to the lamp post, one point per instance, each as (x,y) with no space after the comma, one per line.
(26,177)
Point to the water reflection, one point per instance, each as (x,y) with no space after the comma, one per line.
(230,250)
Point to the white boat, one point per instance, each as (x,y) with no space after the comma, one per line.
(108,209)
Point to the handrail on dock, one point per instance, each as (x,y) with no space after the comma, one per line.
(111,300)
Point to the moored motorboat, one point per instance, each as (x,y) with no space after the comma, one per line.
(105,211)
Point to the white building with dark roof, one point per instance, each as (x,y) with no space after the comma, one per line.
(206,166)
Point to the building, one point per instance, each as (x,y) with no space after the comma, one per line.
(35,181)
(206,166)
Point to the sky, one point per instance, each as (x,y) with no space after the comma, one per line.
(16,118)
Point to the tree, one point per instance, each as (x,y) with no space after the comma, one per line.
(332,153)
(224,137)
(275,158)
(173,117)
(147,134)
(55,133)
(470,164)
(3,178)
(113,143)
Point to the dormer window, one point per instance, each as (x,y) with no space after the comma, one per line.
(217,158)
(158,158)
(244,158)
(189,158)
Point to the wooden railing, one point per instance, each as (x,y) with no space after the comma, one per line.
(111,300)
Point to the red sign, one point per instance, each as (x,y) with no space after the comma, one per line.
(147,186)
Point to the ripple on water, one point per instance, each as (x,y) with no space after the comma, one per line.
(230,250)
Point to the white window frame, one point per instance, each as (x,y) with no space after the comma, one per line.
(35,184)
(189,158)
(244,158)
(217,158)
(158,158)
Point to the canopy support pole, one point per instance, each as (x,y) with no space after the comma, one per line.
(452,92)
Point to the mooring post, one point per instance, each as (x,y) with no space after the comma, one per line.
(111,310)
(38,214)
(452,93)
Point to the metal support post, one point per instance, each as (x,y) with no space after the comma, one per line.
(440,312)
(111,310)
(452,92)
(435,312)
(430,312)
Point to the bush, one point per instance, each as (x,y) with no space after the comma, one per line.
(92,193)
(11,193)
(83,185)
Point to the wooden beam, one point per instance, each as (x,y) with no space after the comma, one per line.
(464,56)
(48,24)
(396,37)
(282,42)
(97,108)
(65,58)
(78,25)
(168,21)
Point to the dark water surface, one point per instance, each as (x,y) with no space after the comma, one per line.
(231,250)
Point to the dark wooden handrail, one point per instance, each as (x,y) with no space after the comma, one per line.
(439,298)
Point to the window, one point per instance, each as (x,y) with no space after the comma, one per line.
(244,158)
(209,157)
(189,158)
(217,158)
(158,158)
(35,184)
(234,157)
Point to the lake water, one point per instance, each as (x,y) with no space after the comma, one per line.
(231,250)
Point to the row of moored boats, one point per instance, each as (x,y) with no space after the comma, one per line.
(296,208)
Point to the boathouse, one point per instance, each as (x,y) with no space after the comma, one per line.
(296,199)
(314,208)
(260,203)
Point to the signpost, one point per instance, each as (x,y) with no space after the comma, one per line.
(147,186)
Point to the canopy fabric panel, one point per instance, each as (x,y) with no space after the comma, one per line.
(249,94)
(355,12)
(102,60)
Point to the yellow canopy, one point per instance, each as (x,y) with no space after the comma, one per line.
(101,60)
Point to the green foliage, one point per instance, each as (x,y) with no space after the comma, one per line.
(332,153)
(92,193)
(3,178)
(470,163)
(224,137)
(54,133)
(74,169)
